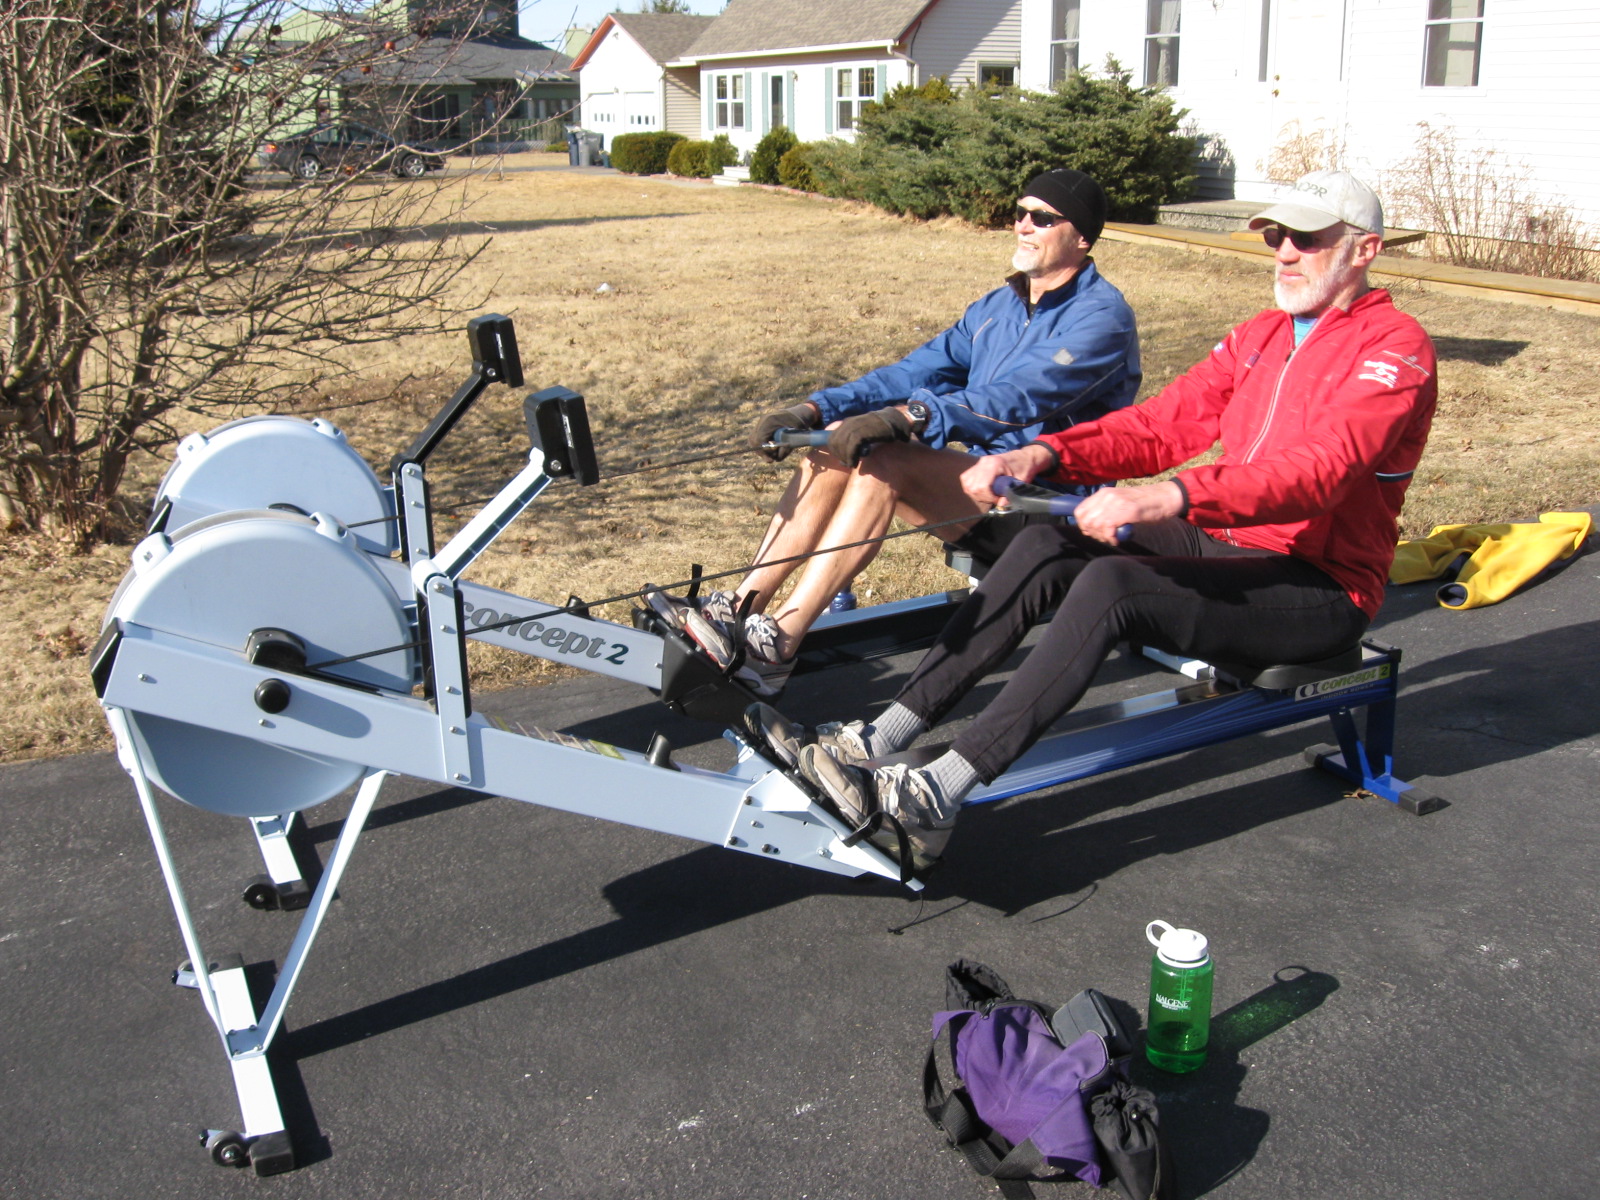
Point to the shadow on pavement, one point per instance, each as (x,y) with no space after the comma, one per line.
(687,895)
(1211,1135)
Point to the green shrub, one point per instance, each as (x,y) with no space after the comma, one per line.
(794,168)
(936,91)
(557,147)
(970,155)
(688,157)
(764,162)
(643,153)
(722,154)
(702,159)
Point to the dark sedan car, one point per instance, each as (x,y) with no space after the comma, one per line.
(344,146)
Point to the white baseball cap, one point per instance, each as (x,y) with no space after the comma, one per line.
(1324,198)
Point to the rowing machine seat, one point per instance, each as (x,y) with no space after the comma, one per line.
(1285,677)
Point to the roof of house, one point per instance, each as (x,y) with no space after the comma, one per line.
(450,62)
(762,26)
(663,36)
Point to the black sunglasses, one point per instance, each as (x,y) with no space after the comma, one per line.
(1041,220)
(1304,242)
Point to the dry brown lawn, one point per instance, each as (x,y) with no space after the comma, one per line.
(723,301)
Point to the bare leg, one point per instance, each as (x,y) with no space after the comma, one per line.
(912,481)
(803,514)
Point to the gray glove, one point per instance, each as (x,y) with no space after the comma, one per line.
(800,416)
(852,439)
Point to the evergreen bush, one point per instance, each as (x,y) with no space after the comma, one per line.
(643,153)
(702,159)
(722,154)
(969,154)
(688,157)
(764,162)
(794,168)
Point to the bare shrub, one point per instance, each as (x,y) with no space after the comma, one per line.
(1481,211)
(1300,151)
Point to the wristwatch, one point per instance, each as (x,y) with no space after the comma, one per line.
(919,414)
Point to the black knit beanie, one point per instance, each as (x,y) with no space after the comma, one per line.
(1075,196)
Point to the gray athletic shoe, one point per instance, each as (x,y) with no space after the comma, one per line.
(768,672)
(709,637)
(669,608)
(845,740)
(719,606)
(787,738)
(899,791)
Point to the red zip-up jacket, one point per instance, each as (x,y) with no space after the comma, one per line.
(1319,443)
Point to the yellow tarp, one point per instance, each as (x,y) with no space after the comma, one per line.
(1504,557)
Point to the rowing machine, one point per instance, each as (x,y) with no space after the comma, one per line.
(254,664)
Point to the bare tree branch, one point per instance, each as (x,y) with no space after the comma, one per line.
(145,272)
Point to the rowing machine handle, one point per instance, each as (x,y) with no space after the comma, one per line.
(495,359)
(1031,498)
(799,437)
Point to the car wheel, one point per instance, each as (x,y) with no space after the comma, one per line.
(307,168)
(412,167)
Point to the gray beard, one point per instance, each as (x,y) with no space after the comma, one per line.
(1316,296)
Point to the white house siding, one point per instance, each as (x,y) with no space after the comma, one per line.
(683,104)
(957,35)
(809,101)
(620,87)
(1351,71)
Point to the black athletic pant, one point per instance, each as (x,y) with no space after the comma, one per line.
(1172,587)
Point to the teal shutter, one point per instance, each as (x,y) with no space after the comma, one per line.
(749,102)
(788,101)
(827,99)
(766,103)
(710,85)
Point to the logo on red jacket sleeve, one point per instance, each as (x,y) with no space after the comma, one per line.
(1388,374)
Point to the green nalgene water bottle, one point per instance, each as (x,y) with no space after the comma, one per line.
(1180,998)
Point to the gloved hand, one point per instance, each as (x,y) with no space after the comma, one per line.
(800,416)
(853,438)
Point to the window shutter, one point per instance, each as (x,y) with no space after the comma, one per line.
(827,99)
(766,103)
(790,117)
(749,102)
(709,84)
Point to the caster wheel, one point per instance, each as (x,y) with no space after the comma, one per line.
(261,894)
(227,1149)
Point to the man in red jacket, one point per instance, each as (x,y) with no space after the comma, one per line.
(1275,553)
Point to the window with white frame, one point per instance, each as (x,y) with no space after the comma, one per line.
(1161,42)
(853,87)
(1454,43)
(1064,18)
(993,74)
(729,93)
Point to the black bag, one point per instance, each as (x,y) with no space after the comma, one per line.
(1055,1081)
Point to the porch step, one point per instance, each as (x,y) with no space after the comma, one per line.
(732,176)
(1214,216)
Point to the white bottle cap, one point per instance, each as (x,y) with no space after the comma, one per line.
(1177,947)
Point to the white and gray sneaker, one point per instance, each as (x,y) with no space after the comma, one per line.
(904,793)
(765,670)
(787,738)
(719,606)
(708,635)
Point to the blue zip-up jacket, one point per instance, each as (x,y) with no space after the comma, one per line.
(1002,376)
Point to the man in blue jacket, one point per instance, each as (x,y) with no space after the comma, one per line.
(1054,347)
